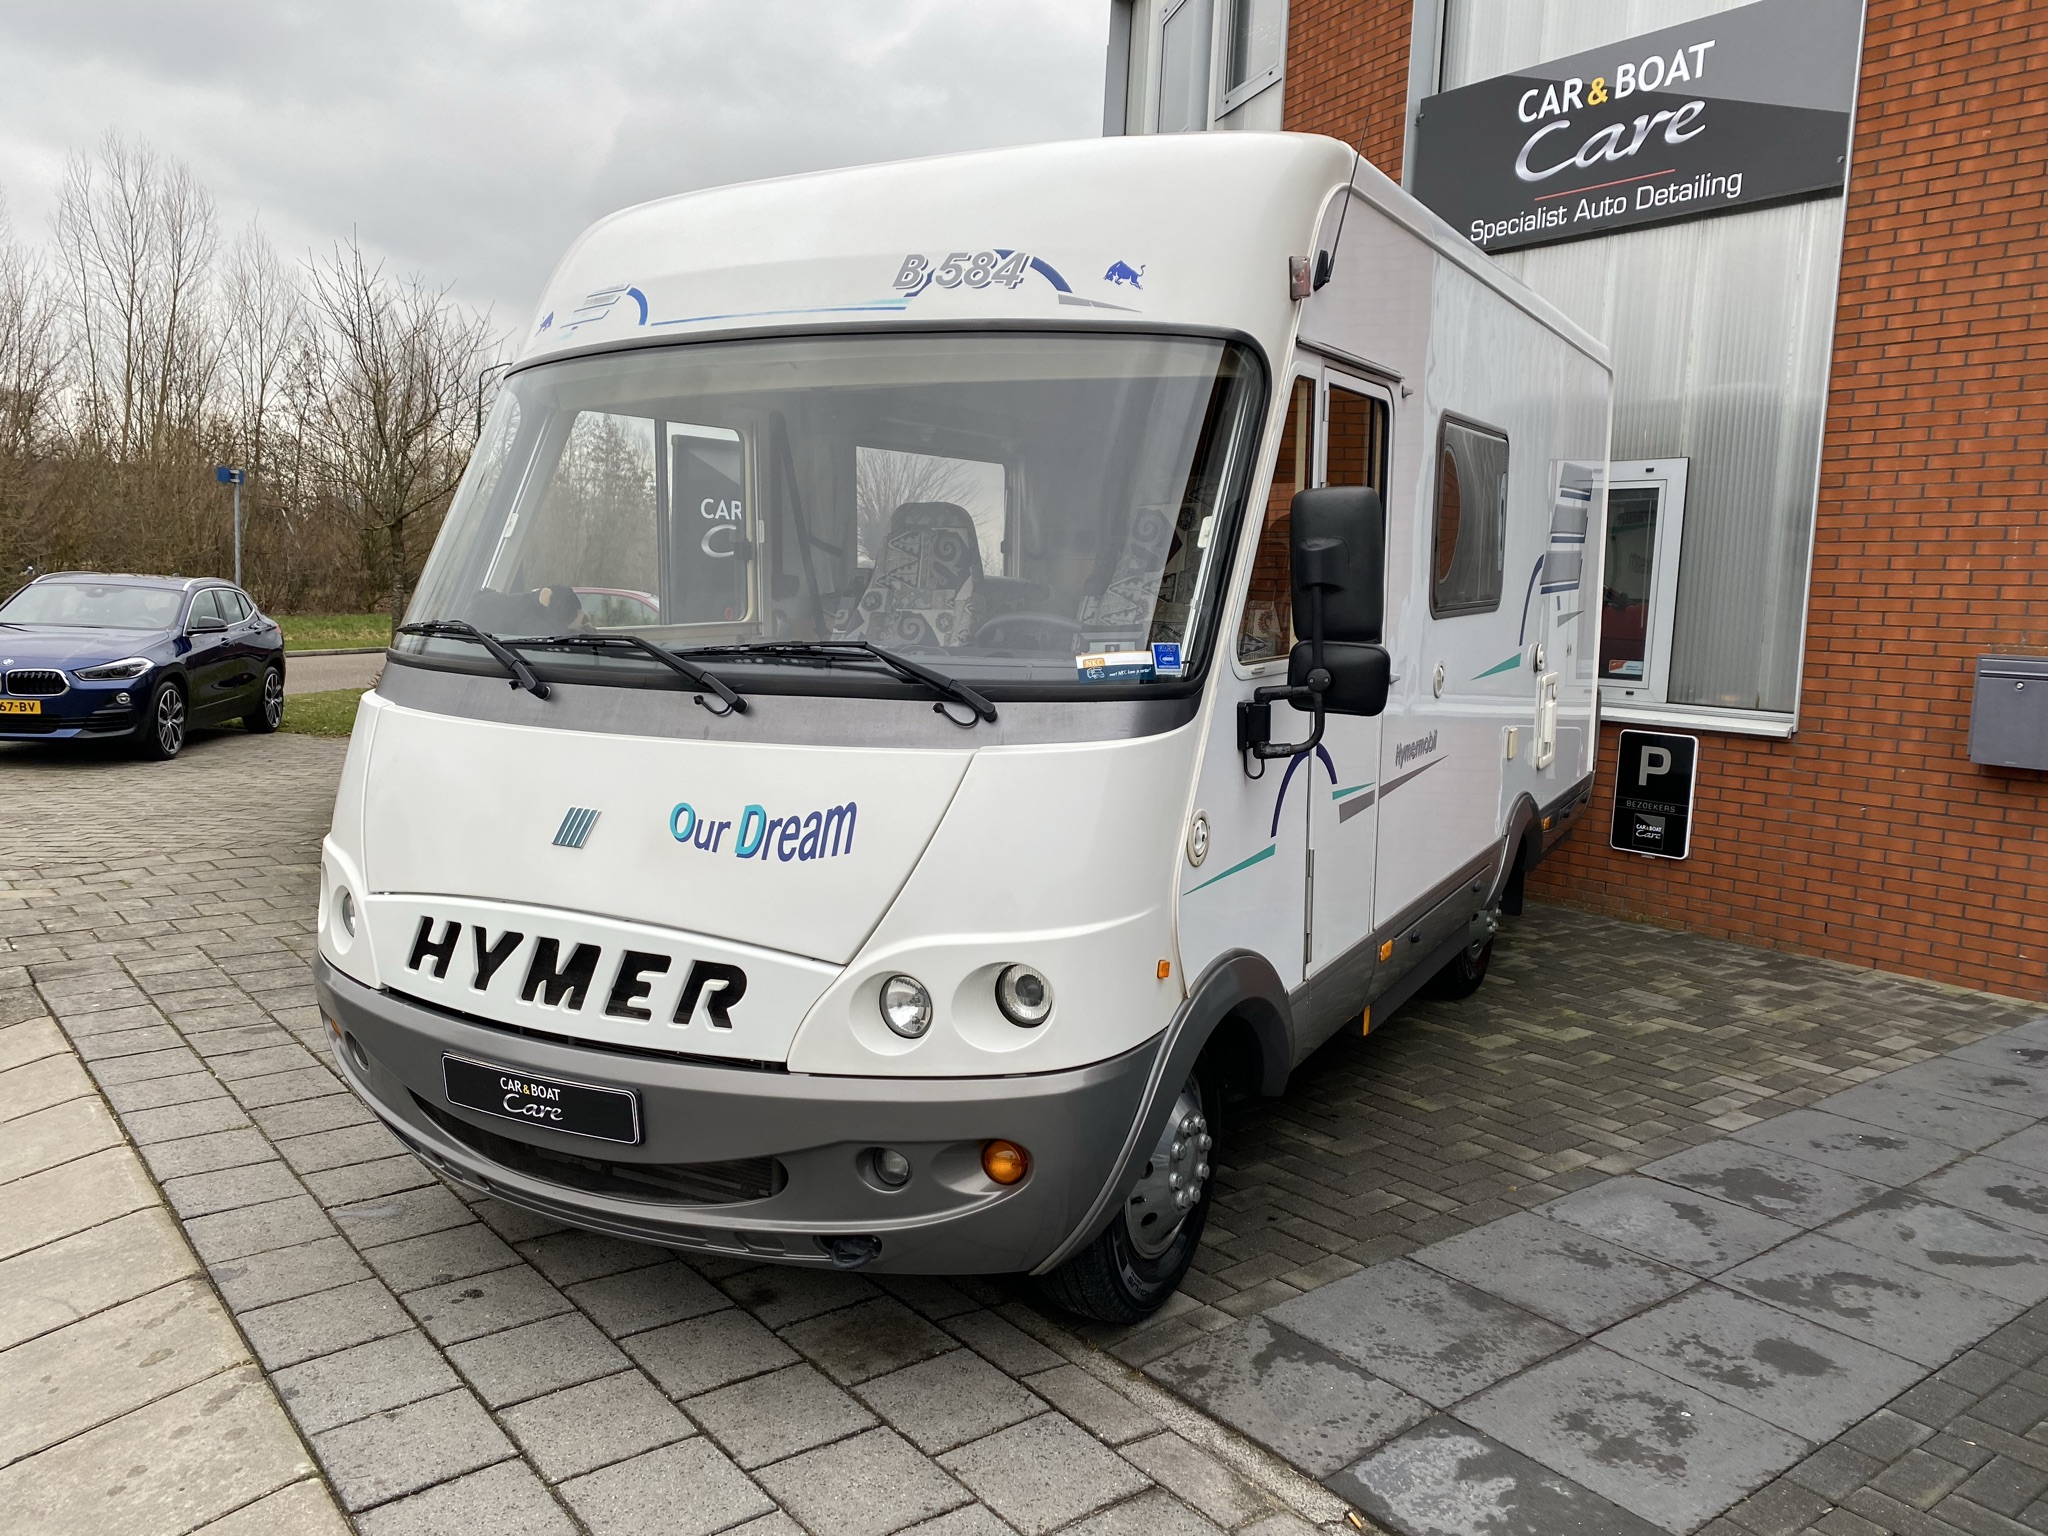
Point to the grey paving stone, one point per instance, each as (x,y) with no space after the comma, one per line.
(1444,1478)
(396,1217)
(1676,1226)
(535,1359)
(1556,1271)
(205,1154)
(157,1092)
(928,1295)
(582,1428)
(336,1149)
(1426,1333)
(1770,1183)
(780,1295)
(1664,1450)
(254,1229)
(2028,1148)
(182,1120)
(1198,1479)
(507,1499)
(282,1273)
(1290,1395)
(511,1223)
(31,1041)
(866,1486)
(645,1298)
(1042,1474)
(402,1450)
(767,1418)
(689,1489)
(967,1520)
(945,1402)
(571,1256)
(2004,1077)
(77,1276)
(486,1303)
(299,1509)
(291,1331)
(348,1385)
(201,1194)
(454,1253)
(367,1181)
(707,1352)
(1105,1413)
(67,1381)
(1912,1313)
(1784,1369)
(1882,1156)
(878,1336)
(1152,1513)
(1002,1342)
(304,1117)
(2006,1192)
(51,1137)
(1893,1105)
(1962,1245)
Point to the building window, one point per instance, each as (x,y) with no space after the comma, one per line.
(1639,580)
(1267,632)
(1255,50)
(1471,513)
(1184,38)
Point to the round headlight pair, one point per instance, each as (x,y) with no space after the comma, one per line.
(1022,994)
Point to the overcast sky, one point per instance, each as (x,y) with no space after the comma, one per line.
(471,141)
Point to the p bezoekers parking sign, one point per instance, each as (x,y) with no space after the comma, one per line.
(1653,794)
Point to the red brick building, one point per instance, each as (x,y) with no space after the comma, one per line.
(1866,505)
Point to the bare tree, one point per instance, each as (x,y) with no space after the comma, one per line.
(263,333)
(31,347)
(401,361)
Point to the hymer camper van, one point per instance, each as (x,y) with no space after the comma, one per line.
(941,676)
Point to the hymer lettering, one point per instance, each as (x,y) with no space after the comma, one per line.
(440,951)
(553,981)
(717,986)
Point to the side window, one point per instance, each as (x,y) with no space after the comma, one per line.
(233,606)
(1268,628)
(1471,520)
(202,608)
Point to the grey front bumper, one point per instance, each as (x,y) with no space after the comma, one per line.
(949,1219)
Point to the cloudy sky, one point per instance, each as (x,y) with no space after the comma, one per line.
(469,140)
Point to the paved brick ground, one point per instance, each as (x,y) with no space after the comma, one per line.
(438,1351)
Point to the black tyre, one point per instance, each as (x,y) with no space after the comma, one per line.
(1128,1272)
(268,714)
(162,735)
(1461,978)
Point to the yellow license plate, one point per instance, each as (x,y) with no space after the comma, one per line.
(21,706)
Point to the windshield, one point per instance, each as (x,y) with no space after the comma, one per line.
(1003,507)
(93,605)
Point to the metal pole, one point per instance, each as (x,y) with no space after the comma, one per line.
(238,530)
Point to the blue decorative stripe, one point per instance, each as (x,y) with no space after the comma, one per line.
(575,828)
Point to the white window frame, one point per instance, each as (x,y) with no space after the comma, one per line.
(1204,48)
(1223,19)
(1621,697)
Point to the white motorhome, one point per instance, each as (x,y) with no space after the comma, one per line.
(942,675)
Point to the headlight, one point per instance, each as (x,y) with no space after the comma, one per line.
(115,671)
(906,1006)
(1024,995)
(345,909)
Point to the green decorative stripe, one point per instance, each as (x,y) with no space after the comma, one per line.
(1509,665)
(1264,853)
(1340,794)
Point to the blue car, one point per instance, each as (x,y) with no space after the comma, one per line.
(87,657)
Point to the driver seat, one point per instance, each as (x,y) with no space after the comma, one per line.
(923,590)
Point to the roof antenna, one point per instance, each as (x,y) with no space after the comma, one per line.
(1326,261)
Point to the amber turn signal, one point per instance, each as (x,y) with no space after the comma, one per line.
(1005,1161)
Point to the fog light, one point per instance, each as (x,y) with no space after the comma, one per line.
(345,909)
(1005,1161)
(1024,996)
(906,1006)
(892,1168)
(122,698)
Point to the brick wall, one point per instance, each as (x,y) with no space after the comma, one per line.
(1347,74)
(1871,837)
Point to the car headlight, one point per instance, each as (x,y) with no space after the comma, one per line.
(114,671)
(906,1006)
(1024,995)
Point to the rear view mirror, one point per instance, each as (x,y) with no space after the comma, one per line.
(1338,550)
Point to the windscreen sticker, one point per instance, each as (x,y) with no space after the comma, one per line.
(1166,658)
(1116,667)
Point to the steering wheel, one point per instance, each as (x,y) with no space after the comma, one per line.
(1052,620)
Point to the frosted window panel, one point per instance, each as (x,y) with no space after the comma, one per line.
(1184,69)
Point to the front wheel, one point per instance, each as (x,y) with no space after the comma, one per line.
(268,714)
(1128,1272)
(163,723)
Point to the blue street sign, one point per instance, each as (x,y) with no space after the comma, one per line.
(227,476)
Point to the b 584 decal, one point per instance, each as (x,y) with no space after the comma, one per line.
(977,269)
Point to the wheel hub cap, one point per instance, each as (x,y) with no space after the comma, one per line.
(1174,1176)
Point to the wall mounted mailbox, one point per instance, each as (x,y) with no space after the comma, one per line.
(2009,715)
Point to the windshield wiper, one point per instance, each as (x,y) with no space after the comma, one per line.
(827,652)
(734,704)
(462,629)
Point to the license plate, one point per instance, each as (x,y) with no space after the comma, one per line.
(21,706)
(578,1109)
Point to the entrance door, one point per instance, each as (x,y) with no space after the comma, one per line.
(1645,527)
(1343,799)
